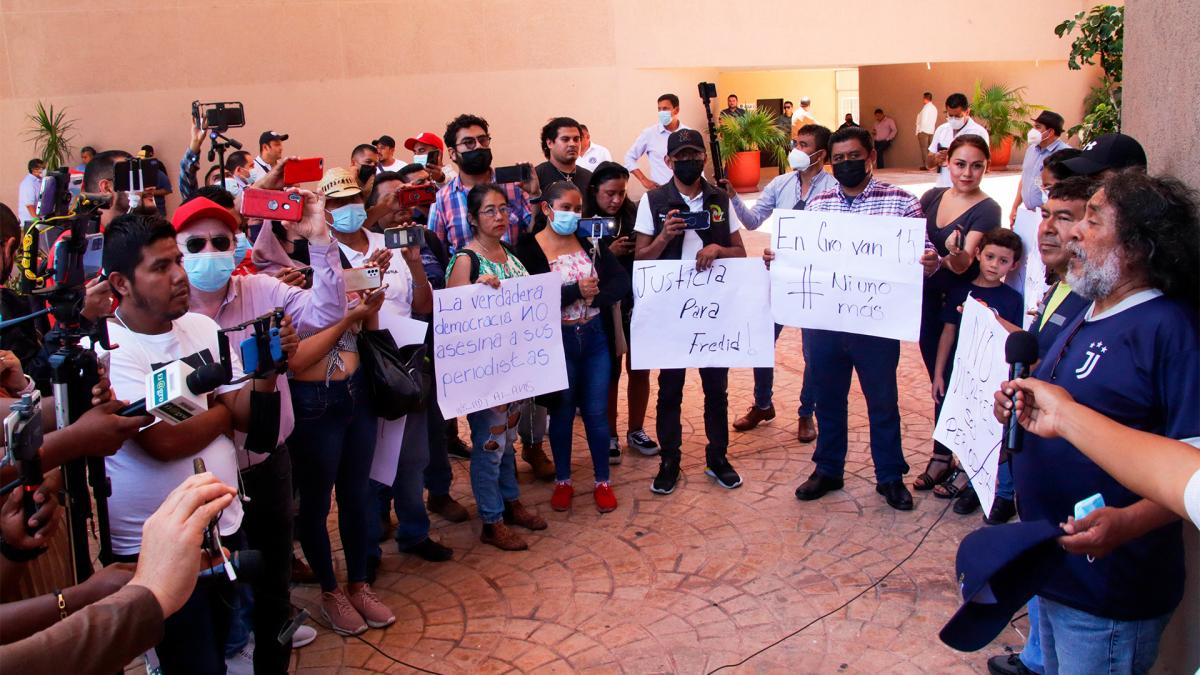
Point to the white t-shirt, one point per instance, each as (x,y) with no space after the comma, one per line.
(396,165)
(27,195)
(397,299)
(692,243)
(1191,499)
(592,158)
(140,483)
(944,135)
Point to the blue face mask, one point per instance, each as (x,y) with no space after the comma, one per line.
(208,271)
(565,222)
(664,117)
(349,219)
(243,245)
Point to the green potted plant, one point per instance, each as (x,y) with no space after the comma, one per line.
(743,138)
(1006,115)
(50,131)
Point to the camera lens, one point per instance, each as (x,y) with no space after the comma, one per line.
(272,204)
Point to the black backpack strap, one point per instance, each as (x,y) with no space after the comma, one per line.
(474,258)
(345,261)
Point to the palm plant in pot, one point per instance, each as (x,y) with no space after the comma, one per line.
(743,138)
(50,131)
(1006,115)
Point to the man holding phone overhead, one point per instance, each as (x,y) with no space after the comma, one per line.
(429,152)
(689,219)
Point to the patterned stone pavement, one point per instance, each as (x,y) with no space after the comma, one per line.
(700,580)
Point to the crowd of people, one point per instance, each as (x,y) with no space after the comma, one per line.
(1116,332)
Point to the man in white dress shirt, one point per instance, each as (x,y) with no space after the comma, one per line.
(590,154)
(926,124)
(958,122)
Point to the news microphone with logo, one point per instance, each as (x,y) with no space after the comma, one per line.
(175,392)
(1020,351)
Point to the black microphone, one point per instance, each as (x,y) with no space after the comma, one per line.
(249,566)
(1021,351)
(200,381)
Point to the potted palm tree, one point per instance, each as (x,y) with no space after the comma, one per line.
(743,138)
(1006,115)
(50,131)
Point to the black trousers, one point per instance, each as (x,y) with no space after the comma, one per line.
(715,382)
(267,525)
(881,148)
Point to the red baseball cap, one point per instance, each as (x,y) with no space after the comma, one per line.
(202,207)
(426,137)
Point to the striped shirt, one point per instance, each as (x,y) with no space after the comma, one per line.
(448,218)
(878,199)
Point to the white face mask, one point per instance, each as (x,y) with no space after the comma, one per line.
(1034,137)
(957,123)
(420,159)
(799,160)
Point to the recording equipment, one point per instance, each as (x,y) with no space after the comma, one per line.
(708,91)
(219,115)
(135,175)
(55,197)
(434,157)
(303,170)
(362,278)
(212,538)
(403,237)
(248,564)
(23,434)
(272,204)
(692,220)
(418,195)
(517,173)
(1020,351)
(595,228)
(308,274)
(177,392)
(262,352)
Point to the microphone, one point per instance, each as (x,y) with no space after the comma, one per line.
(1020,351)
(248,564)
(166,398)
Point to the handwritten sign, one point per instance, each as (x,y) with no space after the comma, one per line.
(718,318)
(1029,277)
(846,272)
(967,425)
(494,346)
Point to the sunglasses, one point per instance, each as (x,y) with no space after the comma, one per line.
(221,242)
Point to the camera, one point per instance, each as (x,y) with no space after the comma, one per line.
(262,352)
(418,195)
(403,237)
(362,278)
(517,173)
(692,220)
(596,228)
(220,115)
(272,204)
(23,434)
(707,90)
(55,198)
(135,175)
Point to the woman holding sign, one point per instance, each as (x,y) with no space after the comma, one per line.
(487,260)
(591,284)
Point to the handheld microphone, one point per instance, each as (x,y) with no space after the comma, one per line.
(1020,351)
(247,563)
(167,400)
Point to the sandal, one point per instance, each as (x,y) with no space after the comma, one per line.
(957,483)
(930,478)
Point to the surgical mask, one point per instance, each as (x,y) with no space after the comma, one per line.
(799,160)
(564,222)
(664,117)
(957,123)
(475,162)
(209,271)
(851,172)
(1034,137)
(233,187)
(348,218)
(688,170)
(420,159)
(243,245)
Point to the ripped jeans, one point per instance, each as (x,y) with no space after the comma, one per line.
(493,461)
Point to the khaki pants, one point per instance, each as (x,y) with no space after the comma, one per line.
(923,140)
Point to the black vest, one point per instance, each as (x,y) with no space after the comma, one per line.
(666,198)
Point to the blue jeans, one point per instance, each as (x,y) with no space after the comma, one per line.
(493,461)
(1074,641)
(333,444)
(764,381)
(1031,655)
(1004,481)
(588,363)
(836,356)
(406,493)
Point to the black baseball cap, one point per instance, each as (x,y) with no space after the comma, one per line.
(999,569)
(268,136)
(1110,151)
(684,139)
(385,140)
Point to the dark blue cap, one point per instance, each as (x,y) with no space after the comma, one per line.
(999,569)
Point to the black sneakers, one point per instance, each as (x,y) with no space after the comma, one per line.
(897,496)
(724,473)
(614,450)
(641,441)
(668,476)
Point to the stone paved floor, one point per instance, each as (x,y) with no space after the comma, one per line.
(692,582)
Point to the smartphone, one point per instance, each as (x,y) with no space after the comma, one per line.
(93,255)
(272,204)
(692,220)
(402,237)
(303,170)
(135,175)
(595,228)
(308,276)
(517,173)
(220,115)
(434,157)
(362,278)
(419,195)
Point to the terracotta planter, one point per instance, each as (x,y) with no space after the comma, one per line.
(744,171)
(1001,155)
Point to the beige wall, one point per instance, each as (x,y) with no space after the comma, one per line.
(897,89)
(818,84)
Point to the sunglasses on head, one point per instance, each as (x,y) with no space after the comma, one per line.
(221,242)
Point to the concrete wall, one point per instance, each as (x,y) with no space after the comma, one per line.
(897,89)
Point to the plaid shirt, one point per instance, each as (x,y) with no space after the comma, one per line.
(449,215)
(878,199)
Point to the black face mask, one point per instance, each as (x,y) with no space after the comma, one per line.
(688,171)
(475,162)
(365,172)
(851,172)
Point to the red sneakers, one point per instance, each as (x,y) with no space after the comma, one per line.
(563,494)
(606,500)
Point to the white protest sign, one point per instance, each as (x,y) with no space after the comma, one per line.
(847,272)
(718,318)
(494,346)
(1029,277)
(966,424)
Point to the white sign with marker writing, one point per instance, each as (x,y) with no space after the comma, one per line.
(966,424)
(494,346)
(1029,277)
(718,318)
(847,272)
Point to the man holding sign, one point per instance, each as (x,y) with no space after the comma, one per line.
(683,220)
(836,354)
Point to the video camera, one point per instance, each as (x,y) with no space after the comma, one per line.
(262,353)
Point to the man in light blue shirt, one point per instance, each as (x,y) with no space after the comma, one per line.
(652,143)
(1044,140)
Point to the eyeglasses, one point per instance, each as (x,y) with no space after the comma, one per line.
(221,242)
(493,211)
(471,142)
